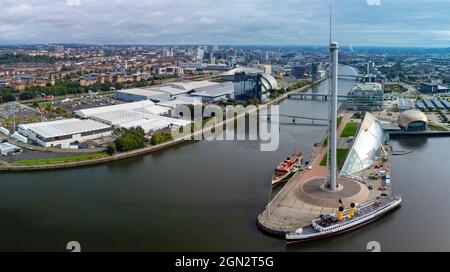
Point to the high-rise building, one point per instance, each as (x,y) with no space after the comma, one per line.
(200,53)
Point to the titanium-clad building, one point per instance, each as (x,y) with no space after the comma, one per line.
(367,146)
(413,120)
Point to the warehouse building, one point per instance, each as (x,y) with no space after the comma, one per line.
(215,93)
(211,91)
(4,131)
(139,94)
(7,149)
(64,133)
(143,114)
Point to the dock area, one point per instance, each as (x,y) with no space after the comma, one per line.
(302,199)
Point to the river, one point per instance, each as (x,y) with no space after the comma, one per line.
(205,196)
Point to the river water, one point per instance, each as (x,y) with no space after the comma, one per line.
(205,196)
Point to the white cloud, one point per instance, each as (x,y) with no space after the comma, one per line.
(218,21)
(73,2)
(374,2)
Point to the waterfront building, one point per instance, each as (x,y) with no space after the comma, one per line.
(368,96)
(7,149)
(367,147)
(144,114)
(250,83)
(215,93)
(139,94)
(413,120)
(63,133)
(247,85)
(427,87)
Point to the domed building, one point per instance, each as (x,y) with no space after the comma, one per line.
(413,120)
(251,82)
(268,81)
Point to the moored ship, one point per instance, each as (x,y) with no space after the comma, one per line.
(286,169)
(345,220)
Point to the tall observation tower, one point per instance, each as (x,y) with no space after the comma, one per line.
(332,179)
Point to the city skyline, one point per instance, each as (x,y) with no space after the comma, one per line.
(398,23)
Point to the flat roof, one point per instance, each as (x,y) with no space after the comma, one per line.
(64,127)
(143,92)
(181,100)
(4,146)
(368,86)
(168,89)
(193,84)
(126,106)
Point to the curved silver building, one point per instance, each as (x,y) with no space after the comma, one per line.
(268,81)
(367,146)
(413,120)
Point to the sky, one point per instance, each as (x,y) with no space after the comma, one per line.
(406,23)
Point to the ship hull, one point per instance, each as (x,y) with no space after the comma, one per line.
(329,235)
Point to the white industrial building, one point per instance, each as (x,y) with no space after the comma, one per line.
(4,131)
(17,137)
(6,149)
(181,100)
(64,132)
(173,90)
(215,93)
(139,94)
(143,114)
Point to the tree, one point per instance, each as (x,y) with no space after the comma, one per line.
(25,95)
(8,98)
(131,139)
(111,149)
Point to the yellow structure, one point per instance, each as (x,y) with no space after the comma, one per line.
(352,211)
(340,214)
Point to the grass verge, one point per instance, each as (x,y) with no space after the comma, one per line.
(340,157)
(349,130)
(62,159)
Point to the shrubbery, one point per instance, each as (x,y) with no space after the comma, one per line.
(131,139)
(161,138)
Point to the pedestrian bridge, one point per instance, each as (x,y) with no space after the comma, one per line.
(311,96)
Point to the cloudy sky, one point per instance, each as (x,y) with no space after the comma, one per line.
(423,23)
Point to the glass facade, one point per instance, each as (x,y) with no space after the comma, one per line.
(367,146)
(247,86)
(417,126)
(366,97)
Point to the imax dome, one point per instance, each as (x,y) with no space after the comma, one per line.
(413,120)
